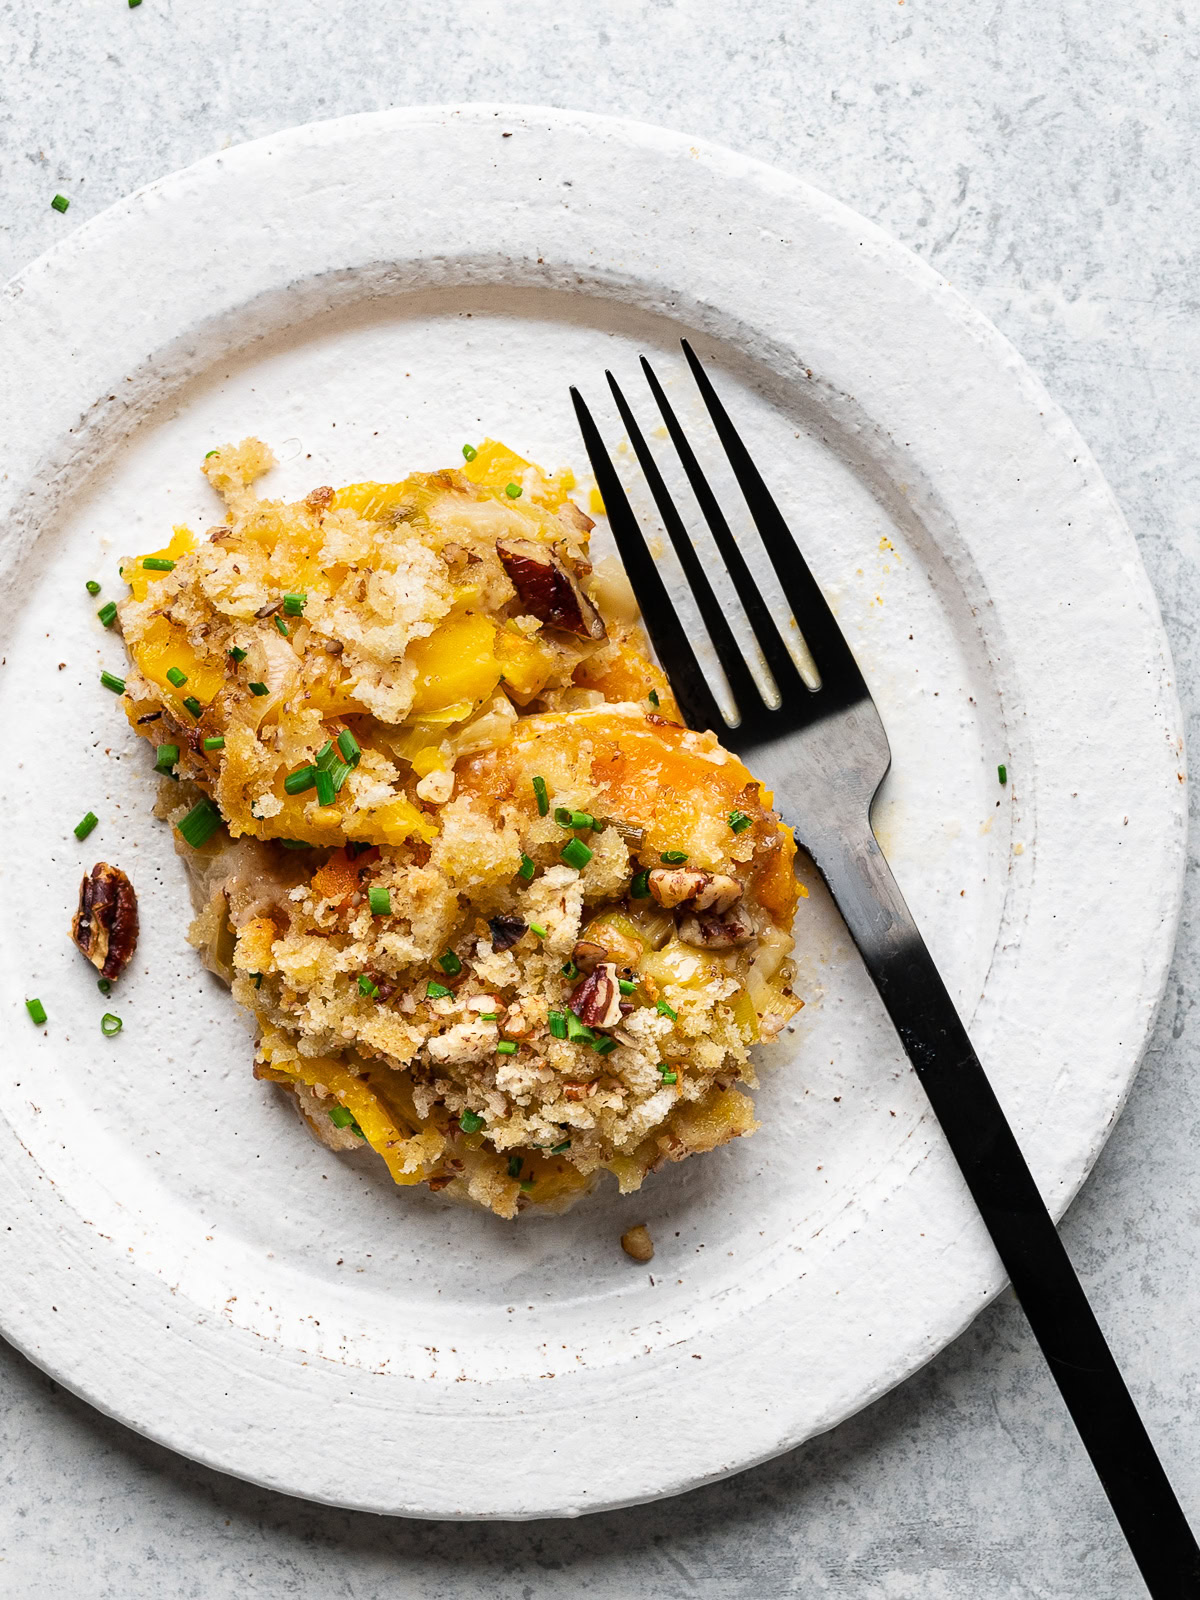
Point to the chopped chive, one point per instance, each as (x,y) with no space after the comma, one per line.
(739,821)
(669,1077)
(541,796)
(110,1025)
(217,742)
(60,202)
(562,815)
(582,819)
(515,1163)
(570,971)
(1002,773)
(111,681)
(349,746)
(538,931)
(507,1047)
(92,586)
(299,781)
(134,4)
(576,1032)
(489,1016)
(470,1122)
(653,697)
(165,757)
(193,705)
(326,793)
(257,976)
(339,771)
(639,889)
(527,868)
(667,1011)
(176,677)
(557,1149)
(450,963)
(104,985)
(513,491)
(108,613)
(604,1046)
(626,985)
(673,858)
(380,900)
(281,625)
(294,604)
(208,454)
(157,564)
(201,822)
(365,986)
(238,654)
(558,1025)
(576,854)
(325,755)
(259,689)
(469,452)
(294,844)
(527,1184)
(436,991)
(340,1117)
(36,1010)
(85,825)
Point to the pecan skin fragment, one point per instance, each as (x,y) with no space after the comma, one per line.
(597,1000)
(587,955)
(506,931)
(105,927)
(710,932)
(547,590)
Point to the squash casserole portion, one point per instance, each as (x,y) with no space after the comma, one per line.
(497,914)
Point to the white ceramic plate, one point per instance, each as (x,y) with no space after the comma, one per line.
(365,295)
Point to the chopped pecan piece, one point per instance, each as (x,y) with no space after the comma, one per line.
(106,925)
(506,931)
(587,955)
(319,500)
(699,891)
(547,589)
(576,520)
(597,1000)
(711,932)
(636,1242)
(578,1091)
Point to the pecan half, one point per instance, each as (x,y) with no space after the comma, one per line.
(506,931)
(699,891)
(587,955)
(597,1000)
(547,589)
(106,925)
(710,932)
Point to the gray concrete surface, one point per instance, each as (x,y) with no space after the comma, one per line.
(1041,154)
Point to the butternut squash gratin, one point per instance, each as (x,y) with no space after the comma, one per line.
(497,915)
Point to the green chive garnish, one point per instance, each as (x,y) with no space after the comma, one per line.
(257,976)
(667,1011)
(208,454)
(193,705)
(349,746)
(653,697)
(558,1025)
(639,889)
(562,815)
(515,1163)
(108,613)
(673,858)
(436,991)
(538,931)
(281,625)
(92,586)
(217,742)
(85,825)
(669,1077)
(604,1046)
(340,1117)
(380,901)
(176,677)
(489,1016)
(739,821)
(576,854)
(365,986)
(36,1010)
(104,985)
(294,604)
(469,452)
(541,796)
(513,491)
(294,844)
(60,202)
(557,1149)
(259,689)
(527,868)
(326,793)
(527,1184)
(470,1122)
(626,986)
(297,782)
(201,822)
(576,1032)
(110,1025)
(157,564)
(507,1047)
(1002,773)
(450,963)
(165,757)
(111,681)
(570,971)
(238,654)
(582,819)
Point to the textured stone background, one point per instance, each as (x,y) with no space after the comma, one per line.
(1041,153)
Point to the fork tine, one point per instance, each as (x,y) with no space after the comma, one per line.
(696,701)
(746,692)
(783,668)
(833,656)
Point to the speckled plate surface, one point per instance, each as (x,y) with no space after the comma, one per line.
(365,295)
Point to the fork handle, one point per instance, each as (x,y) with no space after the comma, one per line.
(1002,1187)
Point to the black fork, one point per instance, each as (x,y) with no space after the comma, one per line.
(831,767)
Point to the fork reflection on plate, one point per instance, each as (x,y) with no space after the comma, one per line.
(835,759)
